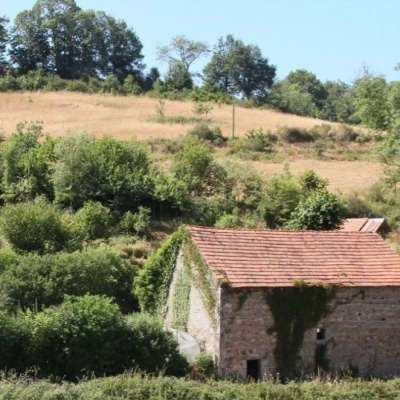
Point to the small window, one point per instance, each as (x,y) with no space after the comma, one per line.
(253,370)
(321,334)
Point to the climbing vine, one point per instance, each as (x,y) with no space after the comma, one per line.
(200,275)
(154,279)
(295,310)
(180,300)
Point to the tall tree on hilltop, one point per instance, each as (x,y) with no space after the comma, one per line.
(3,42)
(239,69)
(182,50)
(59,37)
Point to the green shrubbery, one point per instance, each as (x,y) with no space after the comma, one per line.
(86,336)
(147,387)
(36,282)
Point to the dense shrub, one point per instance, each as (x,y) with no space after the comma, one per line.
(291,134)
(138,223)
(92,221)
(153,347)
(85,337)
(33,226)
(210,134)
(41,281)
(228,221)
(79,338)
(14,340)
(258,140)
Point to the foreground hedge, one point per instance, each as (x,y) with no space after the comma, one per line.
(136,387)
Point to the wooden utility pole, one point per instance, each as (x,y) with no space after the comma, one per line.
(233,120)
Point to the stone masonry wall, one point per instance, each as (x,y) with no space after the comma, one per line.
(203,328)
(362,332)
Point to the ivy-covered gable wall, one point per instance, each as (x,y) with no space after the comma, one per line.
(194,299)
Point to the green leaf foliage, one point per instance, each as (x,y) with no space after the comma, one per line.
(112,172)
(92,221)
(37,282)
(84,337)
(33,226)
(321,210)
(152,283)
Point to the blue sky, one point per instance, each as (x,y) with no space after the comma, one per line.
(332,38)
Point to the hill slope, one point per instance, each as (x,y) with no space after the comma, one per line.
(129,117)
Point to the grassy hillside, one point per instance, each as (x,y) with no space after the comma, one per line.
(130,117)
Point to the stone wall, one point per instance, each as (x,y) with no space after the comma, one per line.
(362,333)
(199,325)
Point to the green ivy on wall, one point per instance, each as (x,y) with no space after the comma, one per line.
(180,300)
(295,310)
(200,275)
(154,279)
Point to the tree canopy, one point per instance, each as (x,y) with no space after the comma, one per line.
(239,69)
(61,38)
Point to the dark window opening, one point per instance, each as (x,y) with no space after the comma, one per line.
(253,370)
(321,333)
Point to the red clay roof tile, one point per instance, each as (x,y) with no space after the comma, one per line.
(271,258)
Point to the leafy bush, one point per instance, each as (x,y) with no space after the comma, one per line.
(291,134)
(92,221)
(138,223)
(33,226)
(257,140)
(210,134)
(204,363)
(36,282)
(79,338)
(153,348)
(321,210)
(201,108)
(13,339)
(228,221)
(321,131)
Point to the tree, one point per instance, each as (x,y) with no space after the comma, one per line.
(182,51)
(371,102)
(281,197)
(30,48)
(59,37)
(239,69)
(321,210)
(338,105)
(177,77)
(300,93)
(26,164)
(112,172)
(3,42)
(194,165)
(119,51)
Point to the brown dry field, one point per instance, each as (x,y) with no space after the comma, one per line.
(128,118)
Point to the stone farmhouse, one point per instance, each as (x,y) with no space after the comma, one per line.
(263,302)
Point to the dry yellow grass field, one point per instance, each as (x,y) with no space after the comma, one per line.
(128,118)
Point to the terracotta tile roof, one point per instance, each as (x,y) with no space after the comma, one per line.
(354,224)
(373,225)
(364,224)
(274,258)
